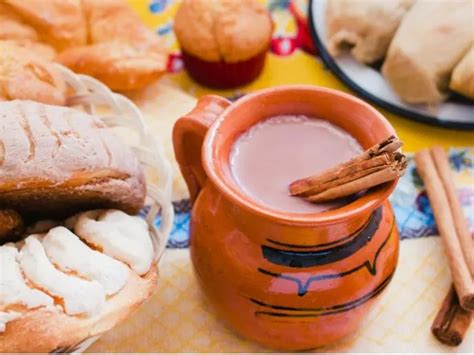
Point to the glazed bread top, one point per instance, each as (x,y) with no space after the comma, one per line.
(55,159)
(228,30)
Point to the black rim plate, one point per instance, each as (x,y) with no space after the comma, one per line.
(389,106)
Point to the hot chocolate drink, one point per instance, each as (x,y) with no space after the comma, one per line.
(281,149)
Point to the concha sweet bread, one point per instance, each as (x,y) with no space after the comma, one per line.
(63,286)
(55,161)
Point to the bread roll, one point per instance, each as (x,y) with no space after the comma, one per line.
(26,72)
(57,160)
(61,291)
(121,51)
(431,40)
(365,25)
(45,330)
(462,79)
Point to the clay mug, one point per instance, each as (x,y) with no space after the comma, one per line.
(288,281)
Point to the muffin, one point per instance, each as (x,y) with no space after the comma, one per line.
(223,42)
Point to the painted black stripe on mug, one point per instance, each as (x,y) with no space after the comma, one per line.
(301,259)
(323,311)
(303,287)
(322,245)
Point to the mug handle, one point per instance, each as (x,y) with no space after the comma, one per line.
(188,136)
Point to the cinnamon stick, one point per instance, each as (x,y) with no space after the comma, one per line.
(444,170)
(376,165)
(460,272)
(356,185)
(452,321)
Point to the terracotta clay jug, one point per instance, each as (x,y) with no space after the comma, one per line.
(288,281)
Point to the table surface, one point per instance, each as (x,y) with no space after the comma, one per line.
(295,68)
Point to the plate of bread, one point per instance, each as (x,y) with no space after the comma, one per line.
(412,57)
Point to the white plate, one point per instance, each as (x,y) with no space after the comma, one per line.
(370,84)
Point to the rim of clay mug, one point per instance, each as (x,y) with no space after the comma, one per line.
(224,181)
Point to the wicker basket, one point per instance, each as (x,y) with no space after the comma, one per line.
(95,98)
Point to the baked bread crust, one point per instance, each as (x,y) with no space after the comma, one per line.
(121,52)
(11,225)
(225,30)
(26,72)
(462,79)
(55,161)
(60,23)
(46,330)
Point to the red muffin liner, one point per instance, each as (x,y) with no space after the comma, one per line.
(222,75)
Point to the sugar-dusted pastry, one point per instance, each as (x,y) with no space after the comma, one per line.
(121,51)
(26,72)
(60,23)
(367,26)
(11,225)
(223,42)
(462,79)
(432,38)
(57,289)
(56,160)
